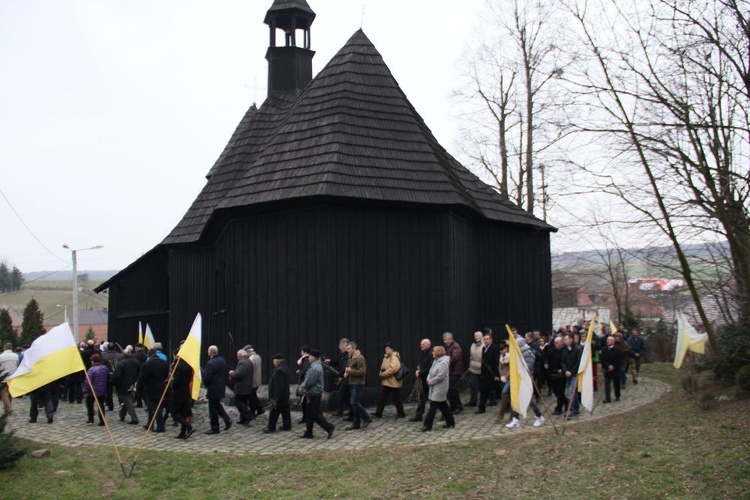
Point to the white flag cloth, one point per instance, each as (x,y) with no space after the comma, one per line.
(190,351)
(521,385)
(586,371)
(51,356)
(148,339)
(688,339)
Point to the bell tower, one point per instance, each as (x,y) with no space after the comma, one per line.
(289,65)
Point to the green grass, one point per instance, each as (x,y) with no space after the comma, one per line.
(666,449)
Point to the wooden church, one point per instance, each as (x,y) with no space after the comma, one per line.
(333,212)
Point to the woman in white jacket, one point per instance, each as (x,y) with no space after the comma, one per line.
(437,379)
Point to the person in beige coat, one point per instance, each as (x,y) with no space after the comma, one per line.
(389,385)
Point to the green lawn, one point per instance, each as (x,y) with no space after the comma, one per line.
(666,449)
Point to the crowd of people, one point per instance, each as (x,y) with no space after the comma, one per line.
(140,377)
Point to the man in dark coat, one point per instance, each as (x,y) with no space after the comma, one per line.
(423,369)
(242,376)
(87,352)
(215,380)
(182,397)
(340,365)
(278,394)
(124,380)
(611,359)
(141,356)
(151,384)
(455,371)
(571,359)
(110,358)
(489,376)
(555,375)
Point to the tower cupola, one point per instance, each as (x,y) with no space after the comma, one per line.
(290,64)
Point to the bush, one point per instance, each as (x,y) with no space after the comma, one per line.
(734,342)
(743,380)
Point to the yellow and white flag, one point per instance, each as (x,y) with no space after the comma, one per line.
(612,327)
(51,356)
(599,329)
(688,339)
(190,351)
(521,385)
(140,333)
(586,371)
(148,339)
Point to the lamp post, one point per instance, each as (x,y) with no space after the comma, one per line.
(65,310)
(75,285)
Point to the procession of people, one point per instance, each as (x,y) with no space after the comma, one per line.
(135,374)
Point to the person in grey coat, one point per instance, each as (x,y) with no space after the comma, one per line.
(438,381)
(242,376)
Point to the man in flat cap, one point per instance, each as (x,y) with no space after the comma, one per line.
(278,394)
(312,390)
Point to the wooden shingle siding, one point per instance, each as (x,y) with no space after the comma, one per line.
(333,212)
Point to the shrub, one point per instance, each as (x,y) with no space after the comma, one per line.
(734,342)
(743,380)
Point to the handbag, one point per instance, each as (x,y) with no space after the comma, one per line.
(402,372)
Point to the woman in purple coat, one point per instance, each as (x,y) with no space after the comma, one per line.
(98,377)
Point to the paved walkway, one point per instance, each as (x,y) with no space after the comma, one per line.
(70,428)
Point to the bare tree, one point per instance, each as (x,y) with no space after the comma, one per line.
(508,80)
(668,85)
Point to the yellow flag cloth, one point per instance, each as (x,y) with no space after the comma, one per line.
(148,339)
(190,351)
(688,339)
(521,385)
(586,371)
(52,356)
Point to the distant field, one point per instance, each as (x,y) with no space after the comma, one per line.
(58,284)
(49,294)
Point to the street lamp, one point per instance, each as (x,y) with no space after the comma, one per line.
(65,310)
(75,285)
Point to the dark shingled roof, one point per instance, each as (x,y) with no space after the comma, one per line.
(286,6)
(352,133)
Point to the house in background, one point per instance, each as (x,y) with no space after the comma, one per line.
(97,320)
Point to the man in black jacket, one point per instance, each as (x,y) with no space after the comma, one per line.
(151,383)
(123,380)
(278,394)
(340,365)
(423,369)
(555,375)
(215,380)
(242,376)
(141,356)
(611,359)
(571,359)
(182,397)
(489,375)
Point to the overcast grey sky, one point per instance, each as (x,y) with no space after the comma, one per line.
(112,112)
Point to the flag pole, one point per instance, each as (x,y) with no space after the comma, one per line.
(106,425)
(156,411)
(570,404)
(544,403)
